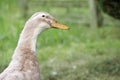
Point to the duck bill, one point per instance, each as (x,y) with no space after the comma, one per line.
(56,24)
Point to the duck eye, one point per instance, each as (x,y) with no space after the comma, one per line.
(43,15)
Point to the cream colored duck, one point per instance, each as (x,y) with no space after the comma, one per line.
(24,64)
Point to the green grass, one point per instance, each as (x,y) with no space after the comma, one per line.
(81,53)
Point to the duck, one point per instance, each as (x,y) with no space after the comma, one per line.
(24,63)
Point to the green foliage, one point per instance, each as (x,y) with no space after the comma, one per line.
(81,53)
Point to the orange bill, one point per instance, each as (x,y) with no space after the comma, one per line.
(55,24)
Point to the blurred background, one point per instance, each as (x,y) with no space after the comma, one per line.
(90,50)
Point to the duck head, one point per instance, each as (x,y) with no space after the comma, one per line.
(41,21)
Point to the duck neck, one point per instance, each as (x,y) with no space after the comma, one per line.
(24,58)
(28,39)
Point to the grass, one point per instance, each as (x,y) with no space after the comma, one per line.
(81,53)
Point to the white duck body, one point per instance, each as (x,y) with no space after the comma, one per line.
(24,64)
